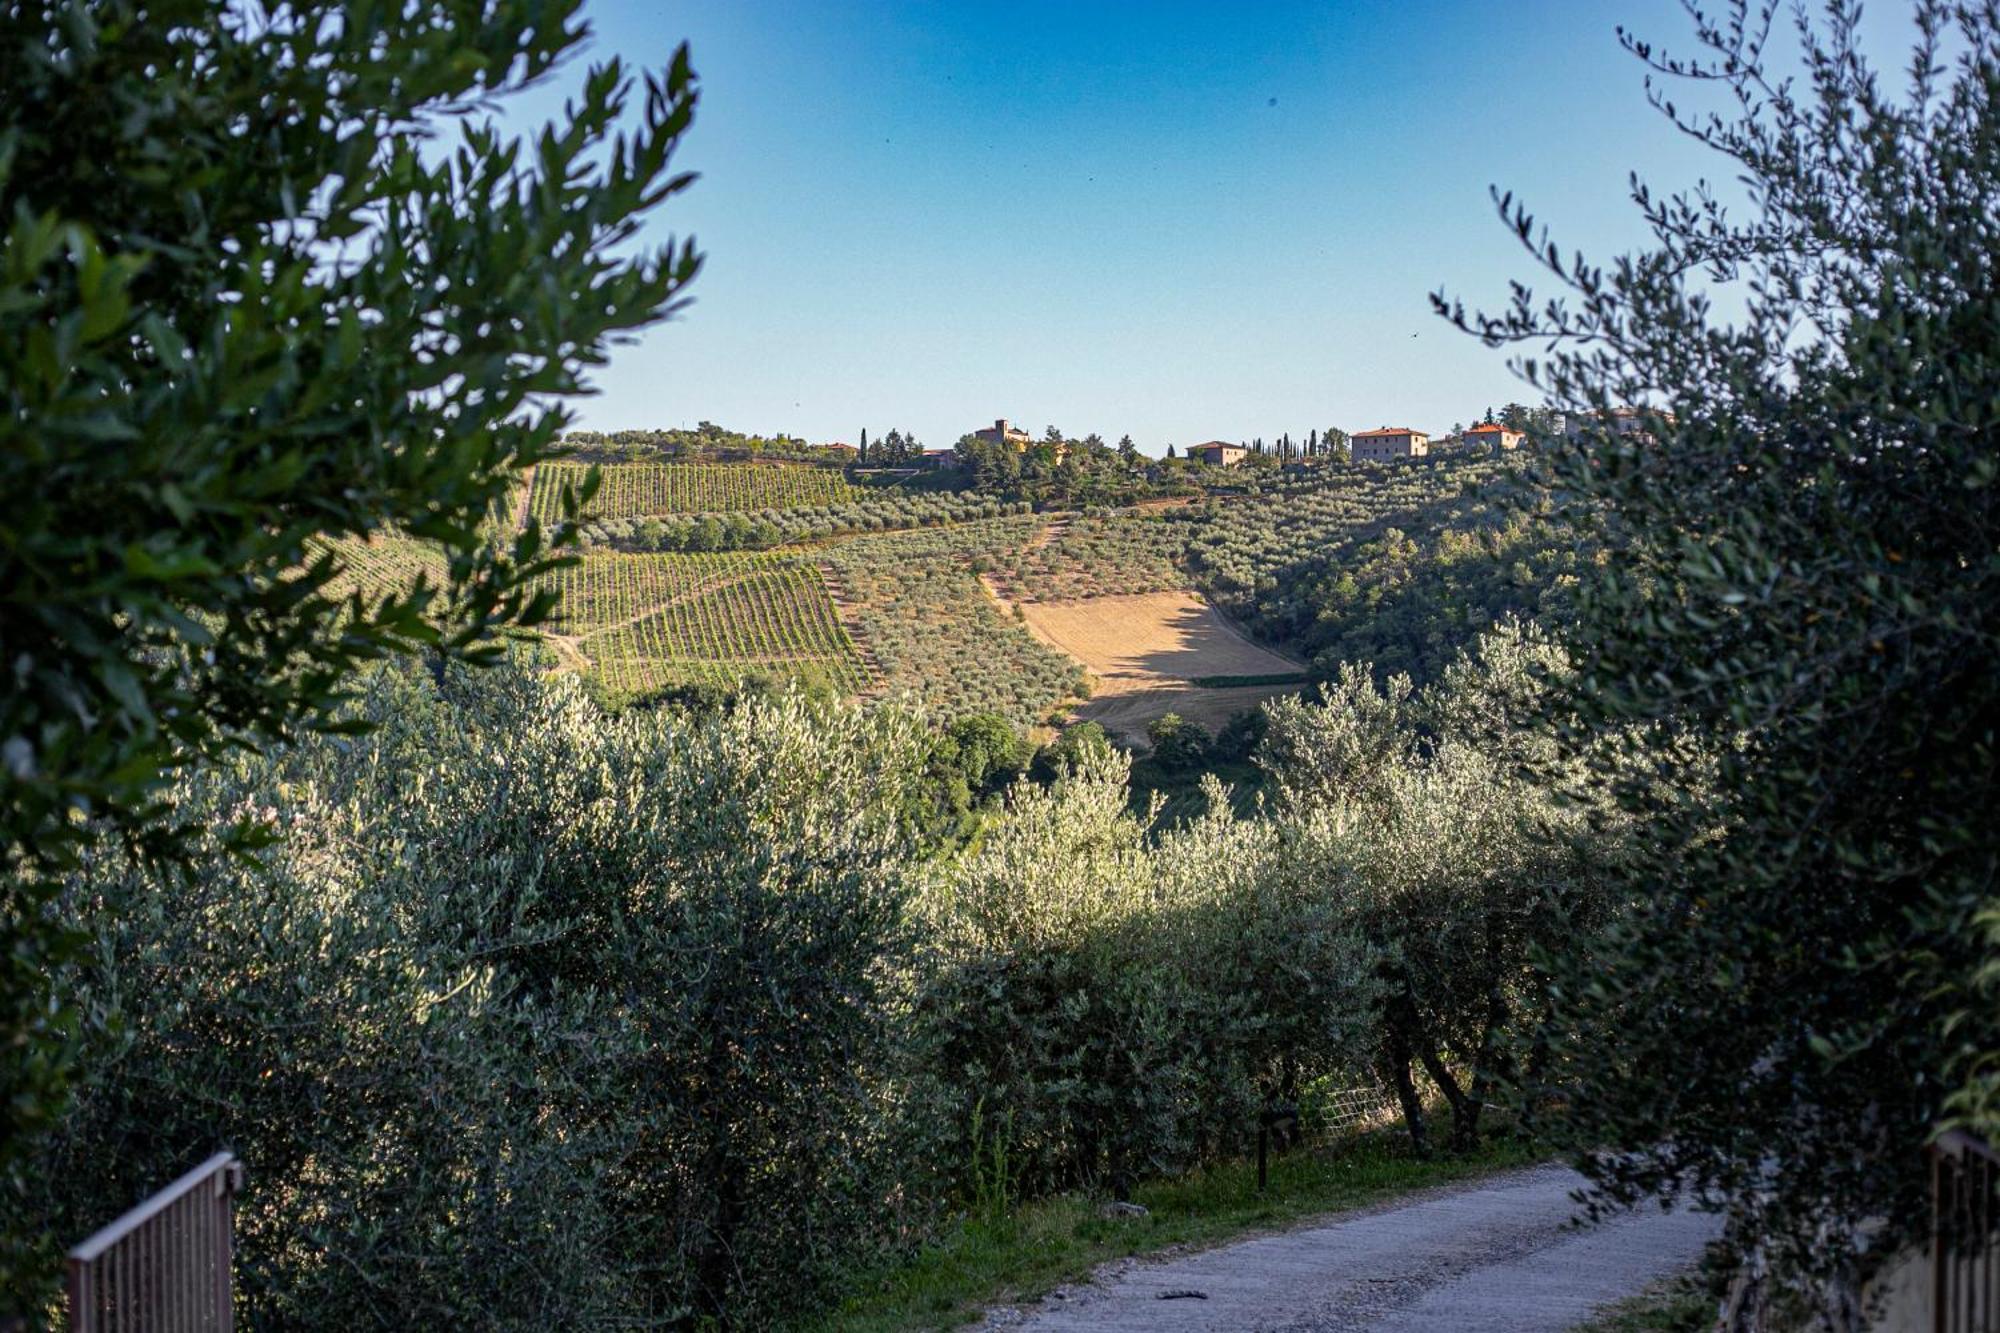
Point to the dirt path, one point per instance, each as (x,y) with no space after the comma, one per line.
(1497,1256)
(845,609)
(1050,532)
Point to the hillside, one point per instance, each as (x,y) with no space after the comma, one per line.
(642,623)
(712,573)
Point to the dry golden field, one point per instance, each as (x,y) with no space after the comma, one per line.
(1144,652)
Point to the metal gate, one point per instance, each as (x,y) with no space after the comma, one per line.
(164,1266)
(1965,1259)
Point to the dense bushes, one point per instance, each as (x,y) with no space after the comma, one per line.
(1796,628)
(1458,872)
(1112,1007)
(536,1017)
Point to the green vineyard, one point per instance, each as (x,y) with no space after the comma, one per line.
(383,563)
(633,490)
(644,622)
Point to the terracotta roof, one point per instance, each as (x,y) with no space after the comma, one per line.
(1385,430)
(1219,444)
(1490,428)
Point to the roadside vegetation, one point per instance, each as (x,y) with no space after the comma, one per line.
(997,1253)
(500,886)
(1678,1305)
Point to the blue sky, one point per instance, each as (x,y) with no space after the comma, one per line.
(1179,220)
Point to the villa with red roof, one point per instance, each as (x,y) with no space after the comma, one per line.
(1494,436)
(1387,443)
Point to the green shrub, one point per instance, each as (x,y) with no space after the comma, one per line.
(1117,1008)
(535,1018)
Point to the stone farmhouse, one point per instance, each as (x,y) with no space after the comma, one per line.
(1388,443)
(1001,432)
(1623,422)
(1218,454)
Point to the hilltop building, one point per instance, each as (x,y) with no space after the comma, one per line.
(1388,443)
(933,460)
(1494,436)
(1623,422)
(1000,432)
(1218,454)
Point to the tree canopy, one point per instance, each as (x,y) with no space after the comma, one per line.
(271,277)
(1795,628)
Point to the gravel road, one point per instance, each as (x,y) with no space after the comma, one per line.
(1496,1256)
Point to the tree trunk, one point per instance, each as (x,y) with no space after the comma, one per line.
(1395,1069)
(1464,1108)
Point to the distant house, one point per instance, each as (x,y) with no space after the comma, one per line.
(1218,454)
(1623,422)
(1493,436)
(1002,433)
(1387,443)
(933,460)
(837,449)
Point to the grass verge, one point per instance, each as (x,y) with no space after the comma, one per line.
(984,1261)
(1673,1305)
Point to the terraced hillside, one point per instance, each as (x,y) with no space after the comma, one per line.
(1099,555)
(915,599)
(971,605)
(1396,566)
(634,490)
(640,623)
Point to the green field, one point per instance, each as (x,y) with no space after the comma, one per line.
(635,490)
(645,622)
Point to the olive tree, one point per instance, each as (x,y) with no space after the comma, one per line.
(1414,813)
(270,276)
(534,1018)
(1793,629)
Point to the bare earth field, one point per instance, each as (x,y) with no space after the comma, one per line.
(1145,650)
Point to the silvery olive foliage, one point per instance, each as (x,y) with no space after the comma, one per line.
(536,1016)
(1416,819)
(1115,1006)
(1794,629)
(532,1018)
